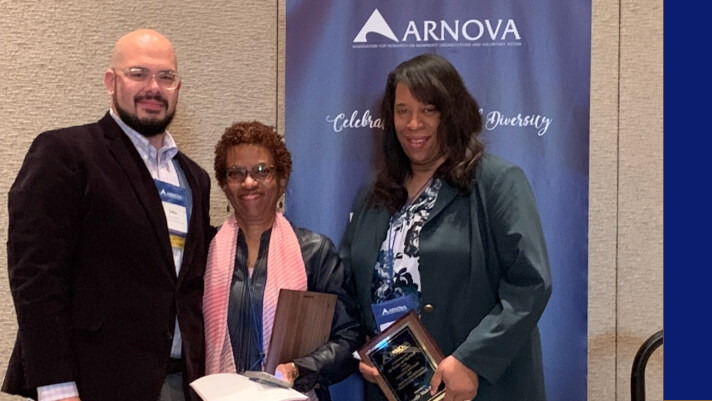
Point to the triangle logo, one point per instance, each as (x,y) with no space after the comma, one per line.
(376,24)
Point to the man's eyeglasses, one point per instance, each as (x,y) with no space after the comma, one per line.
(165,79)
(260,173)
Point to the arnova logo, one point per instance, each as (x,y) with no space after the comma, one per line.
(171,195)
(395,309)
(469,30)
(376,24)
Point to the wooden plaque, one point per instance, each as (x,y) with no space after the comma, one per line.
(302,323)
(406,358)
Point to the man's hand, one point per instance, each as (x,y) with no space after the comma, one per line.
(460,382)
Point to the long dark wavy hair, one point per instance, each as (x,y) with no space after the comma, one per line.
(432,80)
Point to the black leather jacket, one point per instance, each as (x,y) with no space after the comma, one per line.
(331,362)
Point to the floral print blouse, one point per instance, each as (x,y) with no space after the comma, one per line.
(396,273)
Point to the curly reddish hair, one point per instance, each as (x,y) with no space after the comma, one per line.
(252,133)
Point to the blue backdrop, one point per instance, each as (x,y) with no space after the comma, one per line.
(528,66)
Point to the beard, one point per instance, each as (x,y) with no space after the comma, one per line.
(147,128)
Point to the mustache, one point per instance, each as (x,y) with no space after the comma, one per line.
(157,97)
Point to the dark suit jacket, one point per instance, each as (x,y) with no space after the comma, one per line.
(92,272)
(484,273)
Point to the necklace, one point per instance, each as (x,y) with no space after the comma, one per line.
(420,191)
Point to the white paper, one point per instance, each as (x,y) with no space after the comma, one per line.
(236,387)
(176,217)
(385,325)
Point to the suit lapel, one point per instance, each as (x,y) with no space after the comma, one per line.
(446,195)
(367,247)
(191,240)
(127,157)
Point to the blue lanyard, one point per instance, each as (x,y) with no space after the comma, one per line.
(391,238)
(256,330)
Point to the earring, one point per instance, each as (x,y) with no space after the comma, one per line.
(227,209)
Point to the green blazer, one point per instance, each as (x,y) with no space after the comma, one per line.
(485,277)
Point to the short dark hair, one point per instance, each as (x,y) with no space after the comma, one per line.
(432,80)
(252,133)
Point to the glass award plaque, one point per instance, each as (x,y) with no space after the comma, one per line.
(406,358)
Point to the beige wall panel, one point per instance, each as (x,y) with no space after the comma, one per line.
(603,215)
(281,65)
(640,200)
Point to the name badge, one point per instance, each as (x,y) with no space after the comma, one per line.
(389,311)
(175,201)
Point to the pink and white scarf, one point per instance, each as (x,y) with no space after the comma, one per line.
(285,269)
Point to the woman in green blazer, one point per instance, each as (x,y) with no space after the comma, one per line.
(456,230)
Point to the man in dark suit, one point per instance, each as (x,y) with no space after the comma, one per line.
(108,235)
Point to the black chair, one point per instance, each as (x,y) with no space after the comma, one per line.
(637,376)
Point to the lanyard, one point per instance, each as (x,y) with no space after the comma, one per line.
(256,330)
(391,238)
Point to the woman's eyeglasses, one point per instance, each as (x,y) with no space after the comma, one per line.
(260,173)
